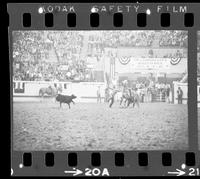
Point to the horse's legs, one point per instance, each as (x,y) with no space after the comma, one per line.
(133,103)
(112,101)
(138,103)
(68,105)
(125,103)
(129,102)
(73,102)
(121,101)
(108,100)
(60,104)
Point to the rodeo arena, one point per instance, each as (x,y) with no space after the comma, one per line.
(100,90)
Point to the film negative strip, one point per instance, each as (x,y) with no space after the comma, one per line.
(105,89)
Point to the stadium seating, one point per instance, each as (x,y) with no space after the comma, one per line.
(70,48)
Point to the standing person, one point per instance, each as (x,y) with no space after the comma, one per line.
(142,95)
(180,95)
(124,93)
(106,94)
(112,98)
(59,89)
(98,95)
(167,94)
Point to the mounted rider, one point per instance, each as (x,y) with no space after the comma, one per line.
(125,92)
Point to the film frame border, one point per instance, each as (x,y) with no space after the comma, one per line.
(131,167)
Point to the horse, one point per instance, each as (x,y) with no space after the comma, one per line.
(50,91)
(132,97)
(124,96)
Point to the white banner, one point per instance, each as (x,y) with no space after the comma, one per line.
(131,64)
(150,65)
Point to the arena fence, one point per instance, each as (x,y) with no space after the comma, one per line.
(29,91)
(158,97)
(85,91)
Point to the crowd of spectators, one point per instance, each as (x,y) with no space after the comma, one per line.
(178,54)
(137,39)
(120,39)
(71,43)
(129,38)
(46,71)
(97,44)
(173,38)
(66,44)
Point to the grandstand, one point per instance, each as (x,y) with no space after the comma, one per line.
(34,49)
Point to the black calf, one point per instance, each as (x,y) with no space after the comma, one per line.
(65,99)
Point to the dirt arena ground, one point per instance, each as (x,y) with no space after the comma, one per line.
(90,126)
